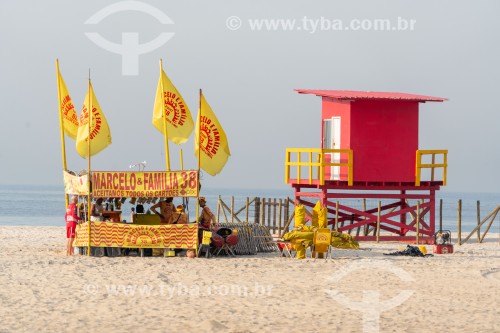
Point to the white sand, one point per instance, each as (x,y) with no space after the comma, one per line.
(43,290)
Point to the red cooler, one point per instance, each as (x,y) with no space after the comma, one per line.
(442,242)
(443,249)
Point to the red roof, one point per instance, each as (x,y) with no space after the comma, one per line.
(373,95)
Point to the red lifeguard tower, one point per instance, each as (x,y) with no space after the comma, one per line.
(369,151)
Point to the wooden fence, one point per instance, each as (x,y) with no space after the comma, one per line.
(277,214)
(489,218)
(274,213)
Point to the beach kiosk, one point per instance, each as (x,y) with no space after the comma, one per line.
(369,171)
(145,231)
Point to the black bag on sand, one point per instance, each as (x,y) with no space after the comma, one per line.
(412,251)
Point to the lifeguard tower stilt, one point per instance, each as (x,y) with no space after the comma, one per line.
(370,154)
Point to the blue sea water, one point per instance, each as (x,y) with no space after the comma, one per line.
(30,205)
(27,205)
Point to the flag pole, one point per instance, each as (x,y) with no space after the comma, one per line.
(182,160)
(199,159)
(89,126)
(164,117)
(61,125)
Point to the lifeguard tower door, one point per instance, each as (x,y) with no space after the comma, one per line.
(331,140)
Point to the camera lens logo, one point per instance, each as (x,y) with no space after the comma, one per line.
(130,49)
(371,306)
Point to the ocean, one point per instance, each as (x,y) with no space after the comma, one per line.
(28,205)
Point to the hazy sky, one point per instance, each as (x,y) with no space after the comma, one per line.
(248,77)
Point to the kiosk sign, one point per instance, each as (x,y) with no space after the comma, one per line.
(144,184)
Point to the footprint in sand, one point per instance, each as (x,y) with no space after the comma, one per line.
(163,277)
(212,326)
(493,273)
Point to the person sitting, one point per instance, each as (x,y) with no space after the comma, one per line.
(97,210)
(206,218)
(166,210)
(179,216)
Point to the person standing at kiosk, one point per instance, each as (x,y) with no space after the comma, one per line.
(71,218)
(97,211)
(207,218)
(167,209)
(179,217)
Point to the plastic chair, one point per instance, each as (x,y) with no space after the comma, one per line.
(322,243)
(205,243)
(227,249)
(286,249)
(225,233)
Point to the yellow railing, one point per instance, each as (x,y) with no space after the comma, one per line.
(432,166)
(315,162)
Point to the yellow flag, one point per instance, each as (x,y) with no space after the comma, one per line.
(170,102)
(100,136)
(212,140)
(66,107)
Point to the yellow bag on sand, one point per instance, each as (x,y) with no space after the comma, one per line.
(322,218)
(343,241)
(300,240)
(308,228)
(300,246)
(300,215)
(315,213)
(300,249)
(296,235)
(319,216)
